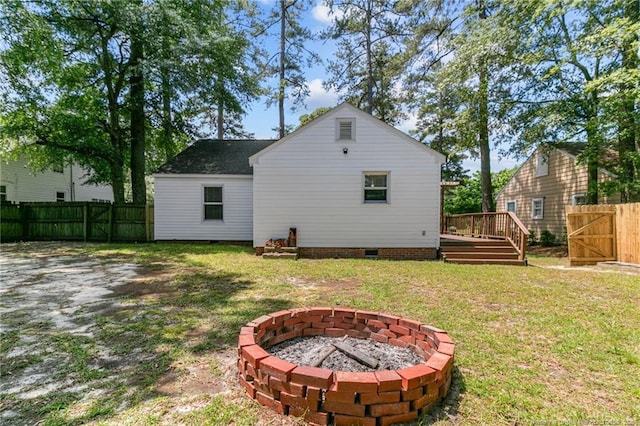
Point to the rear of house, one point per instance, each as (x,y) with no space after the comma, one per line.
(547,182)
(351,186)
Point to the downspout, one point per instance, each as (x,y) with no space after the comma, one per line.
(72,185)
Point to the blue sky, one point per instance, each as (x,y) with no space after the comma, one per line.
(260,119)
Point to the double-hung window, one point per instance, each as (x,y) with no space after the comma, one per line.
(3,193)
(542,165)
(213,203)
(537,208)
(578,200)
(511,206)
(376,187)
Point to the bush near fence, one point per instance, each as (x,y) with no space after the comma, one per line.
(76,221)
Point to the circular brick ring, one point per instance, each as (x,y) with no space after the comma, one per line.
(323,396)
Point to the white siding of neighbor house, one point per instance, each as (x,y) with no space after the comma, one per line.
(307,182)
(23,185)
(179,208)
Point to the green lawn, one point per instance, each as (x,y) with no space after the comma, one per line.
(543,344)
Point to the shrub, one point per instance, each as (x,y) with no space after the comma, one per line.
(547,238)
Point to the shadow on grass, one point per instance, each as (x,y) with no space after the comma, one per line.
(138,333)
(447,409)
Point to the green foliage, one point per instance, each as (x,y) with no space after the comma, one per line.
(467,197)
(306,118)
(547,238)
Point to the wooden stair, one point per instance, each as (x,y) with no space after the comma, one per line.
(479,251)
(280,253)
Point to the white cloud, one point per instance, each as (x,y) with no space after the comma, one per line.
(322,13)
(319,97)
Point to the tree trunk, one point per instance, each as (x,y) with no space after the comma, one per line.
(483,126)
(627,119)
(117,181)
(369,59)
(137,162)
(166,142)
(281,86)
(220,119)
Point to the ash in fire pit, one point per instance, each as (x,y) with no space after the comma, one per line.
(309,350)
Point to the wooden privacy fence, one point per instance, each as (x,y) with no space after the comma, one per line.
(76,221)
(603,232)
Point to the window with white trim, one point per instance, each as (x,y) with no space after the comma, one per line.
(542,165)
(345,129)
(376,187)
(60,196)
(578,199)
(537,208)
(213,203)
(511,206)
(3,193)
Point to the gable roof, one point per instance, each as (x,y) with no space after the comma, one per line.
(350,109)
(214,156)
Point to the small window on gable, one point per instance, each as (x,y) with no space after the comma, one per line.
(511,206)
(60,196)
(3,193)
(212,203)
(537,208)
(542,165)
(345,129)
(376,187)
(578,200)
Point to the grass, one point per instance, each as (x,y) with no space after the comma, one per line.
(542,344)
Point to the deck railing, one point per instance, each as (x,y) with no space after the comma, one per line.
(500,225)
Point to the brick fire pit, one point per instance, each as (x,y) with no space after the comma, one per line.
(323,396)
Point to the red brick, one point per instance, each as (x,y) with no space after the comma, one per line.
(398,418)
(399,343)
(322,310)
(313,318)
(250,370)
(342,420)
(344,408)
(335,332)
(279,385)
(379,398)
(297,389)
(442,338)
(386,332)
(417,375)
(321,325)
(446,348)
(419,335)
(444,389)
(399,329)
(280,316)
(263,321)
(414,325)
(422,402)
(439,361)
(316,419)
(253,354)
(345,313)
(412,394)
(301,326)
(368,315)
(341,324)
(432,329)
(313,332)
(426,346)
(358,333)
(376,323)
(379,410)
(247,330)
(335,396)
(298,402)
(409,339)
(388,380)
(299,312)
(388,319)
(313,394)
(276,367)
(356,382)
(312,376)
(293,321)
(246,340)
(251,390)
(269,401)
(377,337)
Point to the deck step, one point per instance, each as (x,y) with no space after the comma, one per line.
(281,249)
(479,255)
(281,255)
(487,262)
(482,249)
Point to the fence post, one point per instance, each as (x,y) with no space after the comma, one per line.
(85,219)
(147,222)
(24,221)
(110,227)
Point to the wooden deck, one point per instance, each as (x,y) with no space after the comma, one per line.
(469,250)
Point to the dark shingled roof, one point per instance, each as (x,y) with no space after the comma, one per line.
(215,157)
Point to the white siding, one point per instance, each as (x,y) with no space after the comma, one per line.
(23,185)
(179,208)
(307,182)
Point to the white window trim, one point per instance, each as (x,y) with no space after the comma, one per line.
(339,121)
(515,206)
(212,203)
(533,210)
(575,196)
(387,188)
(542,165)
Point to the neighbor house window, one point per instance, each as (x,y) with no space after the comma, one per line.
(376,187)
(3,193)
(578,200)
(345,129)
(537,208)
(60,196)
(542,165)
(511,206)
(213,203)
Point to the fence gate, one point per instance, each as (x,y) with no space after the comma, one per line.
(591,232)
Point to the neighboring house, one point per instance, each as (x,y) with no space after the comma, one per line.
(65,183)
(351,185)
(549,180)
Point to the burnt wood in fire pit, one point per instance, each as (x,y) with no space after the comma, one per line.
(353,353)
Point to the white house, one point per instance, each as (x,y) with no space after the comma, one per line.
(351,185)
(65,183)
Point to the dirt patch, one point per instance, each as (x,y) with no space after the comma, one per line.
(555,251)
